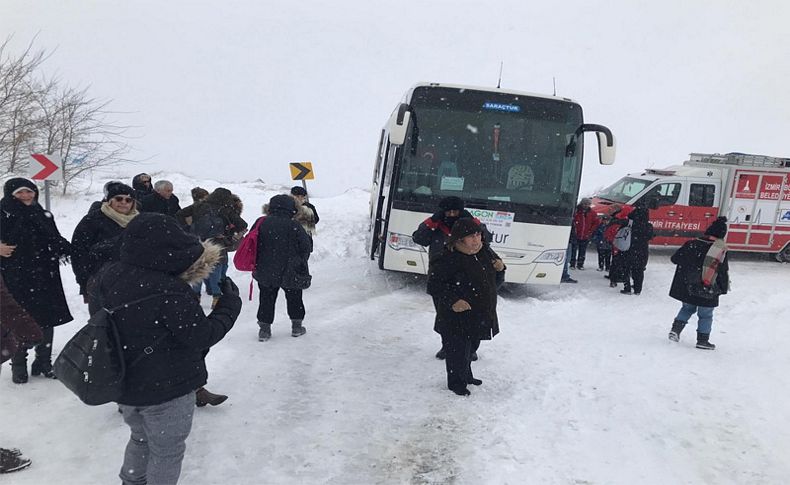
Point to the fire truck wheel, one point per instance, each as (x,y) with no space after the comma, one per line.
(783,256)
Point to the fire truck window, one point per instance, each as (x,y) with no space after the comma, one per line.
(702,195)
(664,194)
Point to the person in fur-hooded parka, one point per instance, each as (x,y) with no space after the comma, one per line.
(170,332)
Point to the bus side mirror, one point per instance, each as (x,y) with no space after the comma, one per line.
(398,124)
(606,142)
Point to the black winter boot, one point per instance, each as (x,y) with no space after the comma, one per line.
(12,461)
(703,343)
(297,330)
(265,332)
(677,327)
(441,354)
(42,368)
(19,367)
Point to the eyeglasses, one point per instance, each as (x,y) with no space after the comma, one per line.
(145,181)
(121,198)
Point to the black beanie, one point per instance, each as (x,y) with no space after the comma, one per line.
(451,203)
(298,190)
(463,227)
(119,188)
(718,228)
(157,241)
(282,203)
(13,184)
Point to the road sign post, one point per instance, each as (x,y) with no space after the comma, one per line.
(46,168)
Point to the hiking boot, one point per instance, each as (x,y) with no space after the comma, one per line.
(703,343)
(12,461)
(626,291)
(265,332)
(474,382)
(677,327)
(441,354)
(203,397)
(297,330)
(568,280)
(460,390)
(42,368)
(580,267)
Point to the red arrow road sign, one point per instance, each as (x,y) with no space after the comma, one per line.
(50,167)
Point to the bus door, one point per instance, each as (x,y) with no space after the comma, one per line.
(382,180)
(668,212)
(703,203)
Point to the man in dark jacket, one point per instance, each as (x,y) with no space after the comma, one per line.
(702,274)
(141,183)
(434,232)
(161,200)
(283,250)
(462,282)
(637,255)
(171,332)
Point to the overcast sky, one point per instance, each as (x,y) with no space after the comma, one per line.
(235,90)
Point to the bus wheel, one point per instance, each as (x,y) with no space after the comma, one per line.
(783,256)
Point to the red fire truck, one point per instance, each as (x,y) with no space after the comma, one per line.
(753,191)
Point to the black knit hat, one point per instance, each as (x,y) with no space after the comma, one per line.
(157,241)
(119,188)
(463,227)
(14,184)
(283,203)
(451,203)
(718,228)
(298,190)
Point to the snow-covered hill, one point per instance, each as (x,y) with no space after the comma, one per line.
(581,386)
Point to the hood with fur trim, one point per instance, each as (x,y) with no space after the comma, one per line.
(204,265)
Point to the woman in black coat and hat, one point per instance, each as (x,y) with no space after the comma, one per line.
(702,274)
(96,238)
(462,281)
(637,255)
(31,272)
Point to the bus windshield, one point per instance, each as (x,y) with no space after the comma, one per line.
(492,149)
(624,189)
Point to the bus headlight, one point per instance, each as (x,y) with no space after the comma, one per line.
(402,241)
(556,256)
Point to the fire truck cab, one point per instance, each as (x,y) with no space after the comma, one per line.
(753,191)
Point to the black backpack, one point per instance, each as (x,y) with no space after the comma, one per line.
(209,224)
(91,364)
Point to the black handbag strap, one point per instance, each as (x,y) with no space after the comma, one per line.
(148,350)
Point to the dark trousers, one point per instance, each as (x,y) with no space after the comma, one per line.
(43,350)
(638,275)
(268,298)
(458,358)
(579,252)
(604,258)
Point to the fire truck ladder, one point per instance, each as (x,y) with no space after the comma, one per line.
(740,159)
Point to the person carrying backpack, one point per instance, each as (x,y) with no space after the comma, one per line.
(217,219)
(639,250)
(701,276)
(164,340)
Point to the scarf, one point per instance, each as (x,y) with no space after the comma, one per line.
(713,258)
(120,219)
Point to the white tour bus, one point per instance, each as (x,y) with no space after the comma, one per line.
(514,158)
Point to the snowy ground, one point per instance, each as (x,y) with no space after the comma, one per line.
(581,386)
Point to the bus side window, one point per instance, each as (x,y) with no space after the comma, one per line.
(702,195)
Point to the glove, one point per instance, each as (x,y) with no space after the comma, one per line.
(228,287)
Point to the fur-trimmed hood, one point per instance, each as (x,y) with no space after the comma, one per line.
(204,265)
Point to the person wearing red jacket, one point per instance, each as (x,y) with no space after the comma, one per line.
(585,222)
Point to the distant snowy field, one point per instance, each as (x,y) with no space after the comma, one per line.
(581,386)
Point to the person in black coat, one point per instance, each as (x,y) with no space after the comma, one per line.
(692,259)
(283,250)
(462,282)
(434,231)
(31,271)
(170,330)
(637,255)
(217,218)
(161,200)
(141,183)
(97,227)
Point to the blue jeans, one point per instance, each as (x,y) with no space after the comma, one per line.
(704,316)
(158,441)
(212,282)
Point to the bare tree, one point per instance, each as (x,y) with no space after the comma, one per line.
(18,93)
(41,115)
